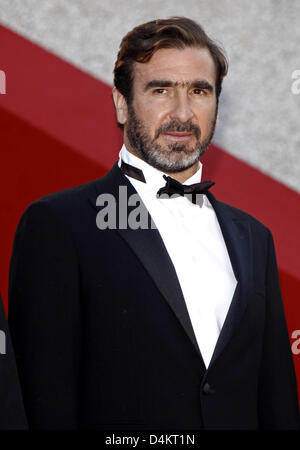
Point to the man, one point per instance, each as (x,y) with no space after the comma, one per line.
(177,323)
(12,414)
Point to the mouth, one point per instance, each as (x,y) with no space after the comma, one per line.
(178,136)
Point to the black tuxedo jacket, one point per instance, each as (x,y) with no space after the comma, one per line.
(12,413)
(102,334)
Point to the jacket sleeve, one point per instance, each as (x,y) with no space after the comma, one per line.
(278,401)
(12,414)
(44,318)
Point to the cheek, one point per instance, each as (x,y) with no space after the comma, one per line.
(151,115)
(206,116)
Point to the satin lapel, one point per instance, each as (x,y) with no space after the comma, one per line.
(148,246)
(237,237)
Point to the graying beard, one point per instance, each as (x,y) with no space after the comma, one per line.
(154,155)
(159,161)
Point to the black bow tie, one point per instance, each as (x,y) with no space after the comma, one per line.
(175,187)
(172,186)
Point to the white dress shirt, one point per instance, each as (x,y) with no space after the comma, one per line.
(195,244)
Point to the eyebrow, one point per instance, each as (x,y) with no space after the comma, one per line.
(199,84)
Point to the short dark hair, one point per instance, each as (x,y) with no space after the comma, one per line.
(143,41)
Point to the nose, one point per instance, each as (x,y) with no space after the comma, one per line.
(181,108)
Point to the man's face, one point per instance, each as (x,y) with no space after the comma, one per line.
(172,117)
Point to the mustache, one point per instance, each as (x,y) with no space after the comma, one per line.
(179,127)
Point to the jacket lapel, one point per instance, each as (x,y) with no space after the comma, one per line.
(148,246)
(237,237)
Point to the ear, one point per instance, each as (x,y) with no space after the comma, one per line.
(120,105)
(217,120)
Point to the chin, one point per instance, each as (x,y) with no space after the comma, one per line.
(173,165)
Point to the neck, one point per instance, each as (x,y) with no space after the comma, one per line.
(184,174)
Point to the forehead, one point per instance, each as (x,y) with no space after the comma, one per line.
(177,65)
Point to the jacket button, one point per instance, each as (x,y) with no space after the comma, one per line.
(207,389)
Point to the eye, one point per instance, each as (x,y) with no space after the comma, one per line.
(160,91)
(199,91)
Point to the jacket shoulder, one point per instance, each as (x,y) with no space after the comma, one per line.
(66,196)
(58,209)
(76,196)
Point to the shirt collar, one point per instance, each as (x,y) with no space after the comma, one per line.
(154,177)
